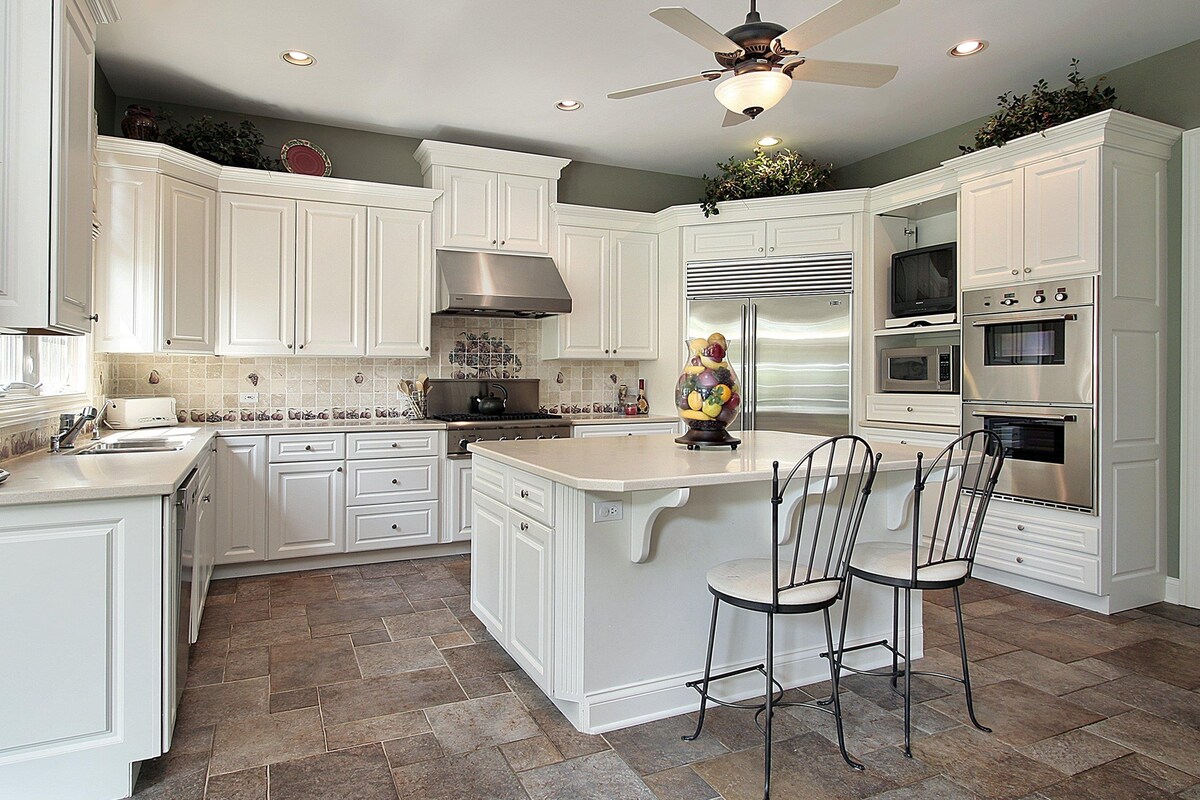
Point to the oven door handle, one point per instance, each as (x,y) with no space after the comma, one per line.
(1055,417)
(1008,319)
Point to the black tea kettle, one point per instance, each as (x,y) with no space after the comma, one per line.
(492,405)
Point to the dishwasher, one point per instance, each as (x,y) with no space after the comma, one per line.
(180,550)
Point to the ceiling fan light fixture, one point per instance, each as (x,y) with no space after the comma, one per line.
(769,141)
(568,105)
(298,58)
(969,47)
(752,93)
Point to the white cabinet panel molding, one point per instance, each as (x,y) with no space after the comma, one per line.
(399,283)
(257,276)
(331,261)
(188,220)
(126,260)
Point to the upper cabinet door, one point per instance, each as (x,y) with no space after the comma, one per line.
(71,274)
(991,230)
(831,233)
(725,240)
(524,213)
(331,317)
(634,294)
(1062,216)
(398,283)
(126,260)
(469,215)
(188,216)
(583,255)
(257,275)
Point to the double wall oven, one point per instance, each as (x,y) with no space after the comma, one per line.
(1029,370)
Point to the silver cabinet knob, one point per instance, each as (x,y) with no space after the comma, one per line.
(1020,560)
(524,526)
(502,242)
(426,348)
(1016,272)
(910,408)
(395,527)
(308,447)
(301,347)
(1020,527)
(339,469)
(395,481)
(395,444)
(772,249)
(493,241)
(1028,269)
(760,249)
(168,342)
(524,494)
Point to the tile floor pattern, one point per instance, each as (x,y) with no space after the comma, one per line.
(376,682)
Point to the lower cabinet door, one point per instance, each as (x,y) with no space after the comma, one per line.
(396,525)
(529,597)
(456,500)
(240,497)
(489,562)
(305,514)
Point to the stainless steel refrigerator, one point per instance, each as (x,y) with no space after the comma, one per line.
(792,354)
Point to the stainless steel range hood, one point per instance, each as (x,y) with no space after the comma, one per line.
(499,284)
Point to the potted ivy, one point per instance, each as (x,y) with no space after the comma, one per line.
(219,142)
(1043,108)
(785,172)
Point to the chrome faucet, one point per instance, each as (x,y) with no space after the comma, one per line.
(99,419)
(65,438)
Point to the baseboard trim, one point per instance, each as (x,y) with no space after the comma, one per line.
(248,568)
(1172,593)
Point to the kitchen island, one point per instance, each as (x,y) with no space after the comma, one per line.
(589,559)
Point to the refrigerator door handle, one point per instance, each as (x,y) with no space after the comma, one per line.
(749,377)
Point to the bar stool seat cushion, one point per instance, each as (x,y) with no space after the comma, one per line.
(750,579)
(894,560)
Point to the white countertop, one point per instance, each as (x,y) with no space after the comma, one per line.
(627,464)
(51,477)
(323,425)
(617,419)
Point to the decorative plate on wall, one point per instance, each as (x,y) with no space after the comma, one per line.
(302,157)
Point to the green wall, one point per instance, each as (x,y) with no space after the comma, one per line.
(386,158)
(1162,87)
(106,106)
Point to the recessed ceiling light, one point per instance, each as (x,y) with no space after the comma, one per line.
(769,141)
(298,58)
(568,105)
(968,48)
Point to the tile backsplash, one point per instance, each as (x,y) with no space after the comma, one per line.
(209,387)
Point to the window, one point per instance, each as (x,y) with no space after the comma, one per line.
(55,364)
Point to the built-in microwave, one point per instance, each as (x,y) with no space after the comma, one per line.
(919,369)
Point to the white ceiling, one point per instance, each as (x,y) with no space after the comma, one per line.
(489,72)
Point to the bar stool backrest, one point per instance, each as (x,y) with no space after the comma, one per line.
(835,480)
(965,475)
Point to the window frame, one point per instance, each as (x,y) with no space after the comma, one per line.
(16,409)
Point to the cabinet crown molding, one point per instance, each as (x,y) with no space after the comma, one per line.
(608,218)
(113,151)
(928,185)
(432,153)
(1110,128)
(846,201)
(104,11)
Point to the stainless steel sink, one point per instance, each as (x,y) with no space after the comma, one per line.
(133,446)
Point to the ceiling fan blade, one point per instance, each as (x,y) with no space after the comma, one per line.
(658,87)
(733,118)
(696,29)
(843,73)
(839,17)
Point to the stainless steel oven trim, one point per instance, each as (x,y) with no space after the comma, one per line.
(1072,483)
(1021,317)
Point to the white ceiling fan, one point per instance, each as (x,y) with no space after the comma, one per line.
(765,57)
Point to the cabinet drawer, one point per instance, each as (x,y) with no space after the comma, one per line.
(624,429)
(531,495)
(923,409)
(909,437)
(1055,566)
(398,525)
(489,478)
(1022,526)
(394,444)
(387,480)
(307,447)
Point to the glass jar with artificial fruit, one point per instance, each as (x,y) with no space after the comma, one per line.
(708,394)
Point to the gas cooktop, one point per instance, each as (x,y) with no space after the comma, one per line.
(494,418)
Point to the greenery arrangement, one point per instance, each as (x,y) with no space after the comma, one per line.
(219,142)
(761,175)
(1043,108)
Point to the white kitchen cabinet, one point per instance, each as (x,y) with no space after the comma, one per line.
(920,409)
(398,283)
(530,596)
(81,646)
(240,496)
(46,139)
(612,276)
(126,260)
(257,301)
(1037,222)
(388,526)
(187,222)
(523,213)
(791,236)
(456,500)
(488,546)
(331,272)
(204,549)
(491,199)
(306,509)
(623,429)
(391,480)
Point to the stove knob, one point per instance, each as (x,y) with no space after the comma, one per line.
(1039,298)
(462,443)
(541,436)
(518,438)
(479,438)
(555,436)
(1060,296)
(1008,301)
(502,439)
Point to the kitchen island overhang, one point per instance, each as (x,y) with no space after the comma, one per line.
(589,559)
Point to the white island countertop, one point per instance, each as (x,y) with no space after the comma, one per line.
(637,463)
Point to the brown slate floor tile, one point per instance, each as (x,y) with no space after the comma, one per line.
(326,611)
(480,774)
(1042,673)
(570,742)
(1166,661)
(361,772)
(1075,751)
(248,784)
(389,658)
(267,739)
(478,660)
(412,750)
(484,722)
(1109,781)
(531,753)
(600,776)
(680,783)
(389,694)
(206,705)
(375,729)
(983,764)
(297,665)
(1019,714)
(1173,744)
(656,746)
(421,623)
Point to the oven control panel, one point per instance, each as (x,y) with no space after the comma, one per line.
(1029,296)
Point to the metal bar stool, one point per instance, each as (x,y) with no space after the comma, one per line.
(940,556)
(837,476)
